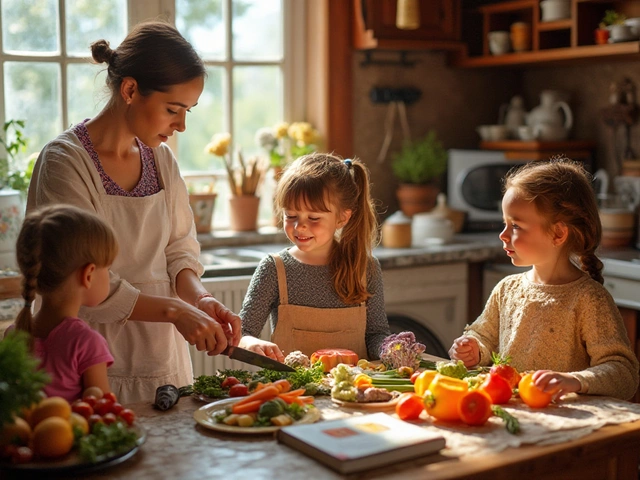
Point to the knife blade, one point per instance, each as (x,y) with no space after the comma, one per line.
(252,358)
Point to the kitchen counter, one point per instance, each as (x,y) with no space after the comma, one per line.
(177,447)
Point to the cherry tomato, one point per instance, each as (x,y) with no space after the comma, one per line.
(82,408)
(475,407)
(21,455)
(507,372)
(116,408)
(238,390)
(103,406)
(414,375)
(128,416)
(90,399)
(110,396)
(108,418)
(93,419)
(229,382)
(409,406)
(497,388)
(532,395)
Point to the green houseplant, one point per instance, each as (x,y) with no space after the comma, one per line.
(13,141)
(418,166)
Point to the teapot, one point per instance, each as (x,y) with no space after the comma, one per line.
(547,118)
(513,115)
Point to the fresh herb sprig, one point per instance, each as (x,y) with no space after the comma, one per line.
(209,385)
(107,440)
(20,380)
(511,423)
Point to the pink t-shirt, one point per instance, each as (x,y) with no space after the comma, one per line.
(67,352)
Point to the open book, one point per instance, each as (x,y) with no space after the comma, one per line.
(360,443)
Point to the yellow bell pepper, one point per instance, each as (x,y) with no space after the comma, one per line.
(443,397)
(423,381)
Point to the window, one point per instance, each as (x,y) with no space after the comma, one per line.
(49,81)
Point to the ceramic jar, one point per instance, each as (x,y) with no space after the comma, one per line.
(396,231)
(520,36)
(513,115)
(499,42)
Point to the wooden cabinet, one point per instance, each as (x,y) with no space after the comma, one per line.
(565,40)
(375,26)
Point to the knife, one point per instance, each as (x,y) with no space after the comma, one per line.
(252,358)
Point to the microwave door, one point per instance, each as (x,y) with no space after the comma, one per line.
(481,189)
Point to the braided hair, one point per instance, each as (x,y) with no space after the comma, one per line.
(53,243)
(562,192)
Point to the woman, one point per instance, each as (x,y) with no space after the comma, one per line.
(118,166)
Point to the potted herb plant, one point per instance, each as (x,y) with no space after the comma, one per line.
(419,166)
(612,26)
(15,175)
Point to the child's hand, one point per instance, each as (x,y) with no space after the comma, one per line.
(466,349)
(262,347)
(556,383)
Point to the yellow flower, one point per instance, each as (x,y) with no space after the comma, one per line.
(219,144)
(303,133)
(280,130)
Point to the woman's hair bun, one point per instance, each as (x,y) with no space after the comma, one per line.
(101,51)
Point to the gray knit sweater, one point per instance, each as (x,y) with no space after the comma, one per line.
(574,328)
(310,286)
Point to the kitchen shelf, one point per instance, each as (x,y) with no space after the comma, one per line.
(519,150)
(564,41)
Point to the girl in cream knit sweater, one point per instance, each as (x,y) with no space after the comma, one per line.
(556,318)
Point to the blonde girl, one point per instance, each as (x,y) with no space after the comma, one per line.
(556,318)
(326,290)
(64,254)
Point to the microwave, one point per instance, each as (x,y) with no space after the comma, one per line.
(474,184)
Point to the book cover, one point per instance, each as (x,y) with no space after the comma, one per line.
(360,443)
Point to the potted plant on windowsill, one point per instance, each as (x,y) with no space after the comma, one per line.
(15,175)
(612,26)
(245,178)
(419,166)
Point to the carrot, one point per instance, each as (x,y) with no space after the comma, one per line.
(282,385)
(248,407)
(267,393)
(294,393)
(306,399)
(288,399)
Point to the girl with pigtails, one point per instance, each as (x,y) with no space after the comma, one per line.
(557,318)
(325,291)
(64,254)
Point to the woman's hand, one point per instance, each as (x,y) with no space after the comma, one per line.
(465,348)
(262,347)
(556,383)
(198,328)
(230,322)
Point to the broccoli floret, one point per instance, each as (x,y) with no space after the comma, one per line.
(344,391)
(342,373)
(452,369)
(272,408)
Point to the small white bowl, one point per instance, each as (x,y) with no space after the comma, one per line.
(634,23)
(555,10)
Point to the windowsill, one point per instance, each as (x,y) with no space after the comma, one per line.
(227,238)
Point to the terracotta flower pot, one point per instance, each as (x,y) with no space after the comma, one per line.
(244,213)
(601,36)
(416,198)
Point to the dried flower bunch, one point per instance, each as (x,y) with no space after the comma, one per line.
(244,178)
(286,142)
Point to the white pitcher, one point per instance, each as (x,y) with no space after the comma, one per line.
(513,115)
(552,119)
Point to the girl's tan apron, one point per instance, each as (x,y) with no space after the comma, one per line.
(309,328)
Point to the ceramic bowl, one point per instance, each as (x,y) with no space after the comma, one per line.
(430,229)
(555,10)
(634,23)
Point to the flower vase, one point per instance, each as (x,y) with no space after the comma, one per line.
(11,216)
(202,205)
(244,213)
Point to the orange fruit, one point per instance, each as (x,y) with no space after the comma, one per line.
(475,407)
(77,420)
(52,437)
(50,407)
(16,433)
(443,397)
(532,395)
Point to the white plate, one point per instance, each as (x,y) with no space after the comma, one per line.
(206,416)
